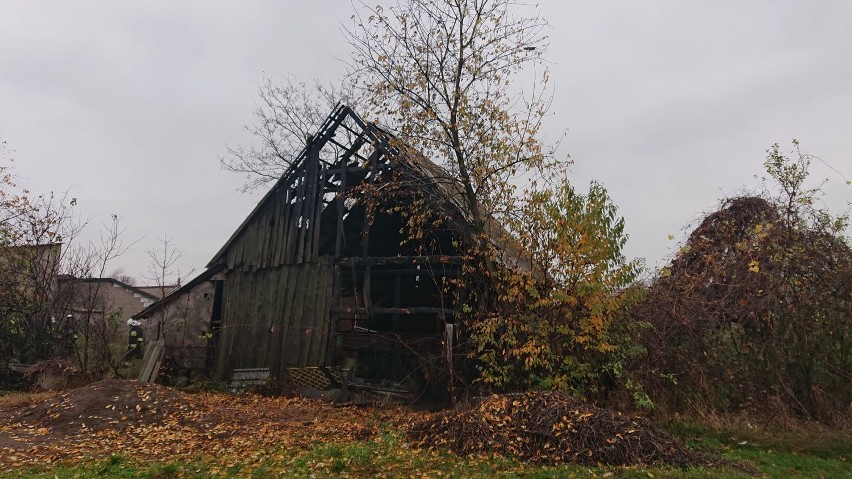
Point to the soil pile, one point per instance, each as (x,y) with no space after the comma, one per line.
(553,428)
(113,403)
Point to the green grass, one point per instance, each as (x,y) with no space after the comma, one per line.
(802,453)
(774,455)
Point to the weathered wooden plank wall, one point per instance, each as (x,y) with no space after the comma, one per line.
(286,228)
(276,317)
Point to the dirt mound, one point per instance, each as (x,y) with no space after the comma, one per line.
(112,403)
(552,427)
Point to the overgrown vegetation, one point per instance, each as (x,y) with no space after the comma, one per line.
(755,310)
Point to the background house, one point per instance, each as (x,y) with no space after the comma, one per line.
(185,319)
(109,296)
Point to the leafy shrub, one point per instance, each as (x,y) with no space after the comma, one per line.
(553,325)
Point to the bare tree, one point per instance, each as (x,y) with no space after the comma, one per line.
(32,236)
(289,112)
(97,330)
(163,272)
(47,308)
(443,73)
(32,229)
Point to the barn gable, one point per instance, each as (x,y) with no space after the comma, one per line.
(311,279)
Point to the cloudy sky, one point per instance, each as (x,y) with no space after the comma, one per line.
(671,104)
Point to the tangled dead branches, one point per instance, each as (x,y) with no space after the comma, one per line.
(755,305)
(554,428)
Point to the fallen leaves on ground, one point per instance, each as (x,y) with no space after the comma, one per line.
(151,422)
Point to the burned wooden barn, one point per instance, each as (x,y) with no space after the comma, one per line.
(326,274)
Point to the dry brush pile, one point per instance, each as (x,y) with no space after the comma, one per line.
(552,428)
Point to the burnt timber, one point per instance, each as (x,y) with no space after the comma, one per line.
(322,273)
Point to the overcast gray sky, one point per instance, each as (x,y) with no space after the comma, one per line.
(671,104)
